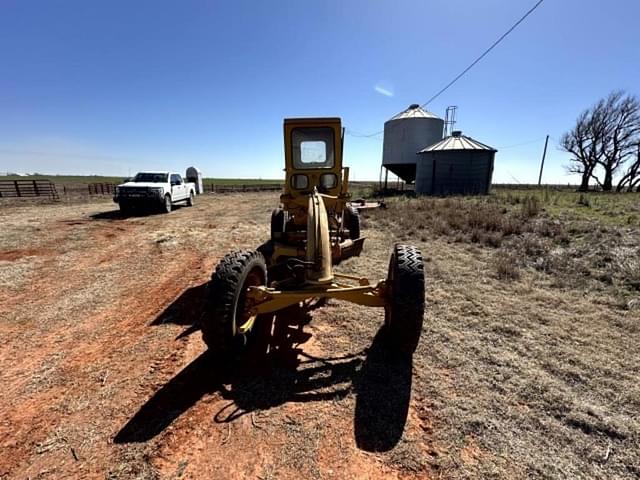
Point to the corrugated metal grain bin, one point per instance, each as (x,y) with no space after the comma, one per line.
(404,135)
(194,175)
(456,165)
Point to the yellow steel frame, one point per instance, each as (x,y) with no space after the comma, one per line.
(269,300)
(310,207)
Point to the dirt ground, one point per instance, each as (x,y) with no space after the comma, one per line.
(104,373)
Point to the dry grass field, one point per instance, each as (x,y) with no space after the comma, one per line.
(528,365)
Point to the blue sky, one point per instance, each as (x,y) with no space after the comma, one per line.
(112,87)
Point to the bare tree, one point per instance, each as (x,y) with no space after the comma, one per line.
(604,139)
(584,142)
(631,178)
(622,135)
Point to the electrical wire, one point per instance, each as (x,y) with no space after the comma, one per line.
(522,144)
(355,134)
(484,54)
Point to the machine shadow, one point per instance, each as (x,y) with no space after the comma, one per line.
(277,371)
(172,400)
(186,310)
(273,370)
(263,376)
(383,392)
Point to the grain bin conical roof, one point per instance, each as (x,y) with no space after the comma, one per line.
(457,141)
(414,111)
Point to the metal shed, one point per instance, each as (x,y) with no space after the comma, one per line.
(404,135)
(455,165)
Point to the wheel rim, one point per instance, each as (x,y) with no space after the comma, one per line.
(244,320)
(167,203)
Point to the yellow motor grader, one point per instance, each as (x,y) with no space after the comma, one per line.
(314,229)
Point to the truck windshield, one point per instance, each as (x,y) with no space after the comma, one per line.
(150,177)
(312,147)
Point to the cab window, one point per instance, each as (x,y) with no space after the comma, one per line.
(176,180)
(313,147)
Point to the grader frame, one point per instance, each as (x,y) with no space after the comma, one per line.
(313,230)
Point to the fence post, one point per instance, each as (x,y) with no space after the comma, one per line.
(15,183)
(35,188)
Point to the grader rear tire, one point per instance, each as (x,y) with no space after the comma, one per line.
(226,299)
(278,220)
(404,312)
(352,222)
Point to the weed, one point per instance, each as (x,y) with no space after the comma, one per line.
(530,206)
(506,267)
(583,200)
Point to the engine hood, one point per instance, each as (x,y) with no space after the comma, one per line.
(142,185)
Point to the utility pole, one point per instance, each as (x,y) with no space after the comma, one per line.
(544,154)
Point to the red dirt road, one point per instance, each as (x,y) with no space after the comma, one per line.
(104,373)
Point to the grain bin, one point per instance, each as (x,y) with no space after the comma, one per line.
(194,175)
(455,165)
(404,135)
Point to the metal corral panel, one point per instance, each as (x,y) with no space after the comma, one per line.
(455,172)
(404,135)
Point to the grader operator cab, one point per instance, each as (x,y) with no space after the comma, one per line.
(312,231)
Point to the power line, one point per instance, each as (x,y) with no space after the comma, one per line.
(361,135)
(484,54)
(529,142)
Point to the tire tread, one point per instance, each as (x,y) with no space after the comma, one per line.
(217,325)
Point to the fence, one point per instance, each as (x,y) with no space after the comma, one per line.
(27,189)
(258,187)
(110,188)
(46,188)
(102,188)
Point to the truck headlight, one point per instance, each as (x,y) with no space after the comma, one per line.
(157,191)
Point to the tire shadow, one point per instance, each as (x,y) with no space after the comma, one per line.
(383,392)
(186,310)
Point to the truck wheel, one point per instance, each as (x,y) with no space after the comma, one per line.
(228,310)
(191,200)
(166,208)
(277,223)
(352,222)
(404,311)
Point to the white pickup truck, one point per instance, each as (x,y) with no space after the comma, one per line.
(154,189)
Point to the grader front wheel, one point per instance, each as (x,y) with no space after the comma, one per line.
(404,311)
(227,320)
